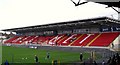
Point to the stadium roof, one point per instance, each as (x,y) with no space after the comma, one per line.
(76,24)
(110,4)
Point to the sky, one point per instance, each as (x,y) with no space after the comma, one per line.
(22,13)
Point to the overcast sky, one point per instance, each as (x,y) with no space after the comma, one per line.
(22,13)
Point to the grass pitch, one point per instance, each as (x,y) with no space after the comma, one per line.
(26,55)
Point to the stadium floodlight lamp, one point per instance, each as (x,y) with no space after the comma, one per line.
(112,21)
(22,29)
(18,29)
(81,22)
(93,21)
(54,25)
(45,26)
(59,25)
(42,26)
(36,27)
(75,23)
(101,20)
(65,24)
(69,24)
(50,26)
(30,28)
(72,24)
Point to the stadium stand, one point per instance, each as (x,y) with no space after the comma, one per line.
(97,39)
(95,32)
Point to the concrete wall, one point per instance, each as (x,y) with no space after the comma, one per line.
(116,44)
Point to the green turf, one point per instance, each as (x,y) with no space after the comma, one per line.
(19,55)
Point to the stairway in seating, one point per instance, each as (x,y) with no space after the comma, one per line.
(62,39)
(55,39)
(93,40)
(79,36)
(91,37)
(77,42)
